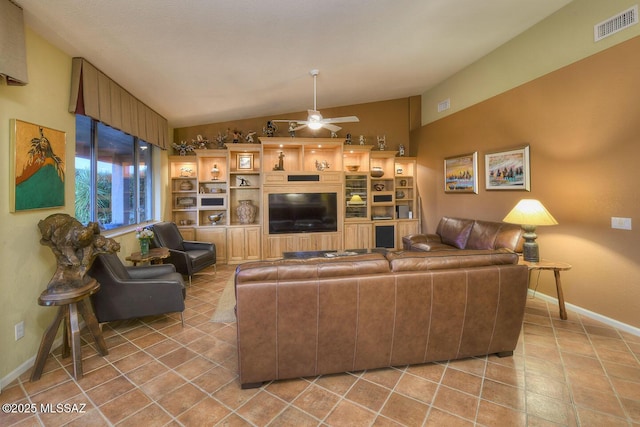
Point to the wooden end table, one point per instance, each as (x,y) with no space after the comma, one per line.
(557,267)
(155,256)
(71,302)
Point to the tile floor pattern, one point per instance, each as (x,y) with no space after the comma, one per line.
(564,373)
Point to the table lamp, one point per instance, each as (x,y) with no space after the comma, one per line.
(530,213)
(356,200)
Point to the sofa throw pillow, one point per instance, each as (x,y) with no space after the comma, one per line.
(455,231)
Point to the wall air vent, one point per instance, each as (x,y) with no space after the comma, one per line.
(616,23)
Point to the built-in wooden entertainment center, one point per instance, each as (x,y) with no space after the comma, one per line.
(308,193)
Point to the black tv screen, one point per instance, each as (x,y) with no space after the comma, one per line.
(302,212)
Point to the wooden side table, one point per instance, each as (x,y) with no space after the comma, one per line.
(71,301)
(155,255)
(557,267)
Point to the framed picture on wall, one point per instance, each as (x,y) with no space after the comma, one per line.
(245,161)
(461,173)
(37,167)
(508,170)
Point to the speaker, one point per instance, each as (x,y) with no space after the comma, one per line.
(403,211)
(303,177)
(385,236)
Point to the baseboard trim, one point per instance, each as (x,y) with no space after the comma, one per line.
(28,364)
(590,314)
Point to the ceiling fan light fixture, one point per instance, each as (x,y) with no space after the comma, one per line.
(314,120)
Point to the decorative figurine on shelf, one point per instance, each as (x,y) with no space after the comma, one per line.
(292,129)
(280,165)
(361,139)
(237,136)
(215,172)
(200,142)
(243,182)
(75,247)
(348,140)
(334,134)
(323,165)
(270,129)
(401,150)
(221,139)
(249,138)
(382,142)
(183,148)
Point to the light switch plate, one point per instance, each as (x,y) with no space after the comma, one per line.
(621,223)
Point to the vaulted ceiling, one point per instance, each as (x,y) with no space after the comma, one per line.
(204,61)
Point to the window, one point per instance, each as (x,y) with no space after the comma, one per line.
(114,180)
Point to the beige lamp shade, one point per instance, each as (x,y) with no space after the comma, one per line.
(356,200)
(530,212)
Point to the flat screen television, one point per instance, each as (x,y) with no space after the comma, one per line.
(302,212)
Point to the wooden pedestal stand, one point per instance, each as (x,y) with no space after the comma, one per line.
(71,301)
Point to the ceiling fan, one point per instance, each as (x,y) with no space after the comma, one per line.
(314,119)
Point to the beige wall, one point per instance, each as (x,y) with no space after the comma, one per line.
(582,123)
(561,39)
(26,265)
(393,118)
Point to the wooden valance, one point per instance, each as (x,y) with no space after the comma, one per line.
(95,95)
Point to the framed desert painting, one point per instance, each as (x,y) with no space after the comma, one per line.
(461,173)
(37,167)
(508,170)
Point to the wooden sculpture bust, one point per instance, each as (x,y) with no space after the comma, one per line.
(75,247)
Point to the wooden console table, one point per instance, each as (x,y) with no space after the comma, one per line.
(557,267)
(71,301)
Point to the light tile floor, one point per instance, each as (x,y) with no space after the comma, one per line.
(563,373)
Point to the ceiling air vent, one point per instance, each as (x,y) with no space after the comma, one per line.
(616,23)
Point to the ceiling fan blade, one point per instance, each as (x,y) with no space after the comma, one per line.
(347,119)
(287,121)
(300,126)
(332,128)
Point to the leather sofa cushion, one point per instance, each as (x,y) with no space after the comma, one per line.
(493,235)
(314,268)
(441,260)
(455,231)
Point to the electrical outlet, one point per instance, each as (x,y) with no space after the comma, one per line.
(19,329)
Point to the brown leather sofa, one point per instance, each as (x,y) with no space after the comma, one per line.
(461,233)
(299,318)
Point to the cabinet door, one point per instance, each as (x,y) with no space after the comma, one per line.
(235,244)
(365,234)
(252,243)
(357,236)
(188,233)
(406,228)
(217,236)
(275,246)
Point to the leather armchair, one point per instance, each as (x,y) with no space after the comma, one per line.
(132,292)
(187,256)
